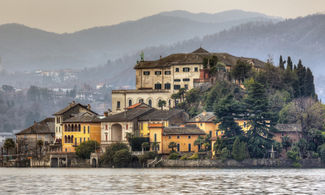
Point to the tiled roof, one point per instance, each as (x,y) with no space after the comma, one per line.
(289,127)
(204,117)
(187,130)
(128,115)
(195,58)
(82,118)
(200,50)
(70,106)
(45,126)
(160,115)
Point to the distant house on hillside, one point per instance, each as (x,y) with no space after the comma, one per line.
(293,131)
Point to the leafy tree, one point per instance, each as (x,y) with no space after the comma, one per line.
(218,146)
(172,145)
(225,154)
(302,145)
(321,152)
(286,142)
(122,158)
(108,157)
(86,148)
(241,71)
(9,144)
(161,104)
(199,142)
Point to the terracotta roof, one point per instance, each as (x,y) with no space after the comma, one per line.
(138,105)
(156,125)
(187,130)
(45,126)
(128,115)
(82,118)
(70,106)
(195,58)
(289,127)
(203,117)
(160,115)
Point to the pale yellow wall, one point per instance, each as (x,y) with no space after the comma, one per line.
(158,133)
(144,129)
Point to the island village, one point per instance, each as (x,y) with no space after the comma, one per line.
(149,126)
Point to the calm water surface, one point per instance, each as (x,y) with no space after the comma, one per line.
(161,181)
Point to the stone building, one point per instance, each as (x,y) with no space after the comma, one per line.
(159,79)
(27,139)
(293,131)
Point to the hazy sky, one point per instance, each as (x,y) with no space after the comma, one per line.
(72,15)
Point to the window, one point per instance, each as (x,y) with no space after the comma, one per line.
(169,137)
(126,126)
(146,73)
(88,129)
(244,124)
(177,147)
(167,85)
(106,127)
(157,72)
(189,137)
(187,79)
(186,86)
(84,129)
(196,69)
(75,141)
(118,105)
(157,86)
(130,102)
(140,100)
(210,133)
(150,103)
(189,147)
(186,69)
(80,140)
(177,80)
(84,139)
(106,136)
(176,69)
(177,86)
(155,137)
(167,72)
(178,137)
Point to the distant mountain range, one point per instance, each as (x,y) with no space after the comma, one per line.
(23,48)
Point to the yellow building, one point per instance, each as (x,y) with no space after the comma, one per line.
(184,137)
(80,128)
(171,117)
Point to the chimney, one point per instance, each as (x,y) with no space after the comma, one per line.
(72,103)
(160,57)
(88,107)
(106,114)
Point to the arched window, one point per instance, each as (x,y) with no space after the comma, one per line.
(140,100)
(150,102)
(72,127)
(71,139)
(68,138)
(65,128)
(79,128)
(76,128)
(65,139)
(157,86)
(167,85)
(130,102)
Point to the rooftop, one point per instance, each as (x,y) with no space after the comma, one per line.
(195,57)
(82,118)
(203,117)
(45,126)
(128,115)
(72,105)
(160,115)
(187,130)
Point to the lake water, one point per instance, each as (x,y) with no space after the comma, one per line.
(161,181)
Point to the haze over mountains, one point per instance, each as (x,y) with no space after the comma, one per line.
(23,48)
(110,52)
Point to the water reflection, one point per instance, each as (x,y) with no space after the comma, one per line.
(161,181)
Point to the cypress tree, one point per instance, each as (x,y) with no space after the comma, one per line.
(309,84)
(281,63)
(301,72)
(289,64)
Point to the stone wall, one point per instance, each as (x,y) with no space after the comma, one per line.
(248,163)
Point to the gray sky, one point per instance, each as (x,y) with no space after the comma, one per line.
(72,15)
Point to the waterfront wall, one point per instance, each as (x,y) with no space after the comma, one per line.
(247,163)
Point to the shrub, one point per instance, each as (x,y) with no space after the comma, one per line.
(293,155)
(184,157)
(239,150)
(107,157)
(173,156)
(148,155)
(195,156)
(225,153)
(314,154)
(321,152)
(122,158)
(86,148)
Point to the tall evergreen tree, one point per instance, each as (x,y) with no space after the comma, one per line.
(289,64)
(281,63)
(309,84)
(261,122)
(226,110)
(301,72)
